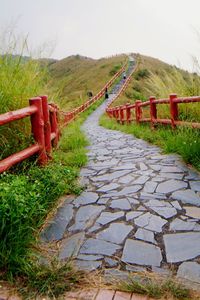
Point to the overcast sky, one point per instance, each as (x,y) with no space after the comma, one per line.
(165,29)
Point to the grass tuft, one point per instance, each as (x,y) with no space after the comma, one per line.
(155,287)
(49,280)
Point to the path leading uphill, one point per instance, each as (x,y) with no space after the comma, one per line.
(140,209)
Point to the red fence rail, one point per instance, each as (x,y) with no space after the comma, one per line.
(45,127)
(134,112)
(70,116)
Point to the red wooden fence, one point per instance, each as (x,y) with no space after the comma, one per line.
(134,112)
(44,129)
(45,119)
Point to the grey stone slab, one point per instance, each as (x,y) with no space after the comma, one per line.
(107,217)
(171,169)
(94,228)
(145,235)
(190,271)
(172,175)
(130,189)
(143,167)
(157,203)
(147,196)
(111,262)
(150,187)
(87,172)
(158,179)
(155,167)
(56,228)
(141,208)
(70,246)
(129,166)
(141,180)
(192,211)
(180,225)
(111,176)
(126,179)
(132,215)
(89,257)
(103,200)
(176,205)
(85,216)
(86,198)
(195,186)
(136,269)
(108,187)
(113,275)
(133,201)
(95,246)
(170,186)
(141,253)
(150,222)
(182,246)
(166,212)
(187,196)
(115,233)
(88,266)
(120,204)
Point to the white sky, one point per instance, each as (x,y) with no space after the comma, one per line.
(165,29)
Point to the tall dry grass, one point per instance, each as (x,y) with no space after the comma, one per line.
(21,77)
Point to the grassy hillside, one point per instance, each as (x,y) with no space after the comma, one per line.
(73,77)
(156,78)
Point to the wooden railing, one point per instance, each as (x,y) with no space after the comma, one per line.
(44,128)
(45,125)
(134,112)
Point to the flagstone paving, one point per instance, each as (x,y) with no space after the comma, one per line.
(140,207)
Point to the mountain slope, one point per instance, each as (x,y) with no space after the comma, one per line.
(73,77)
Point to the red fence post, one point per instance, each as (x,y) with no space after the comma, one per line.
(47,125)
(117,113)
(173,109)
(54,125)
(138,111)
(121,114)
(153,111)
(37,122)
(128,113)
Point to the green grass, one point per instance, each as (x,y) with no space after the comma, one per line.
(50,280)
(184,141)
(155,287)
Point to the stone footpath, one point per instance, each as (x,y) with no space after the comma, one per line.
(140,209)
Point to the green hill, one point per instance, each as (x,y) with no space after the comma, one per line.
(73,77)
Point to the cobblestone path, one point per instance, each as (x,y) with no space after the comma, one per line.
(140,209)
